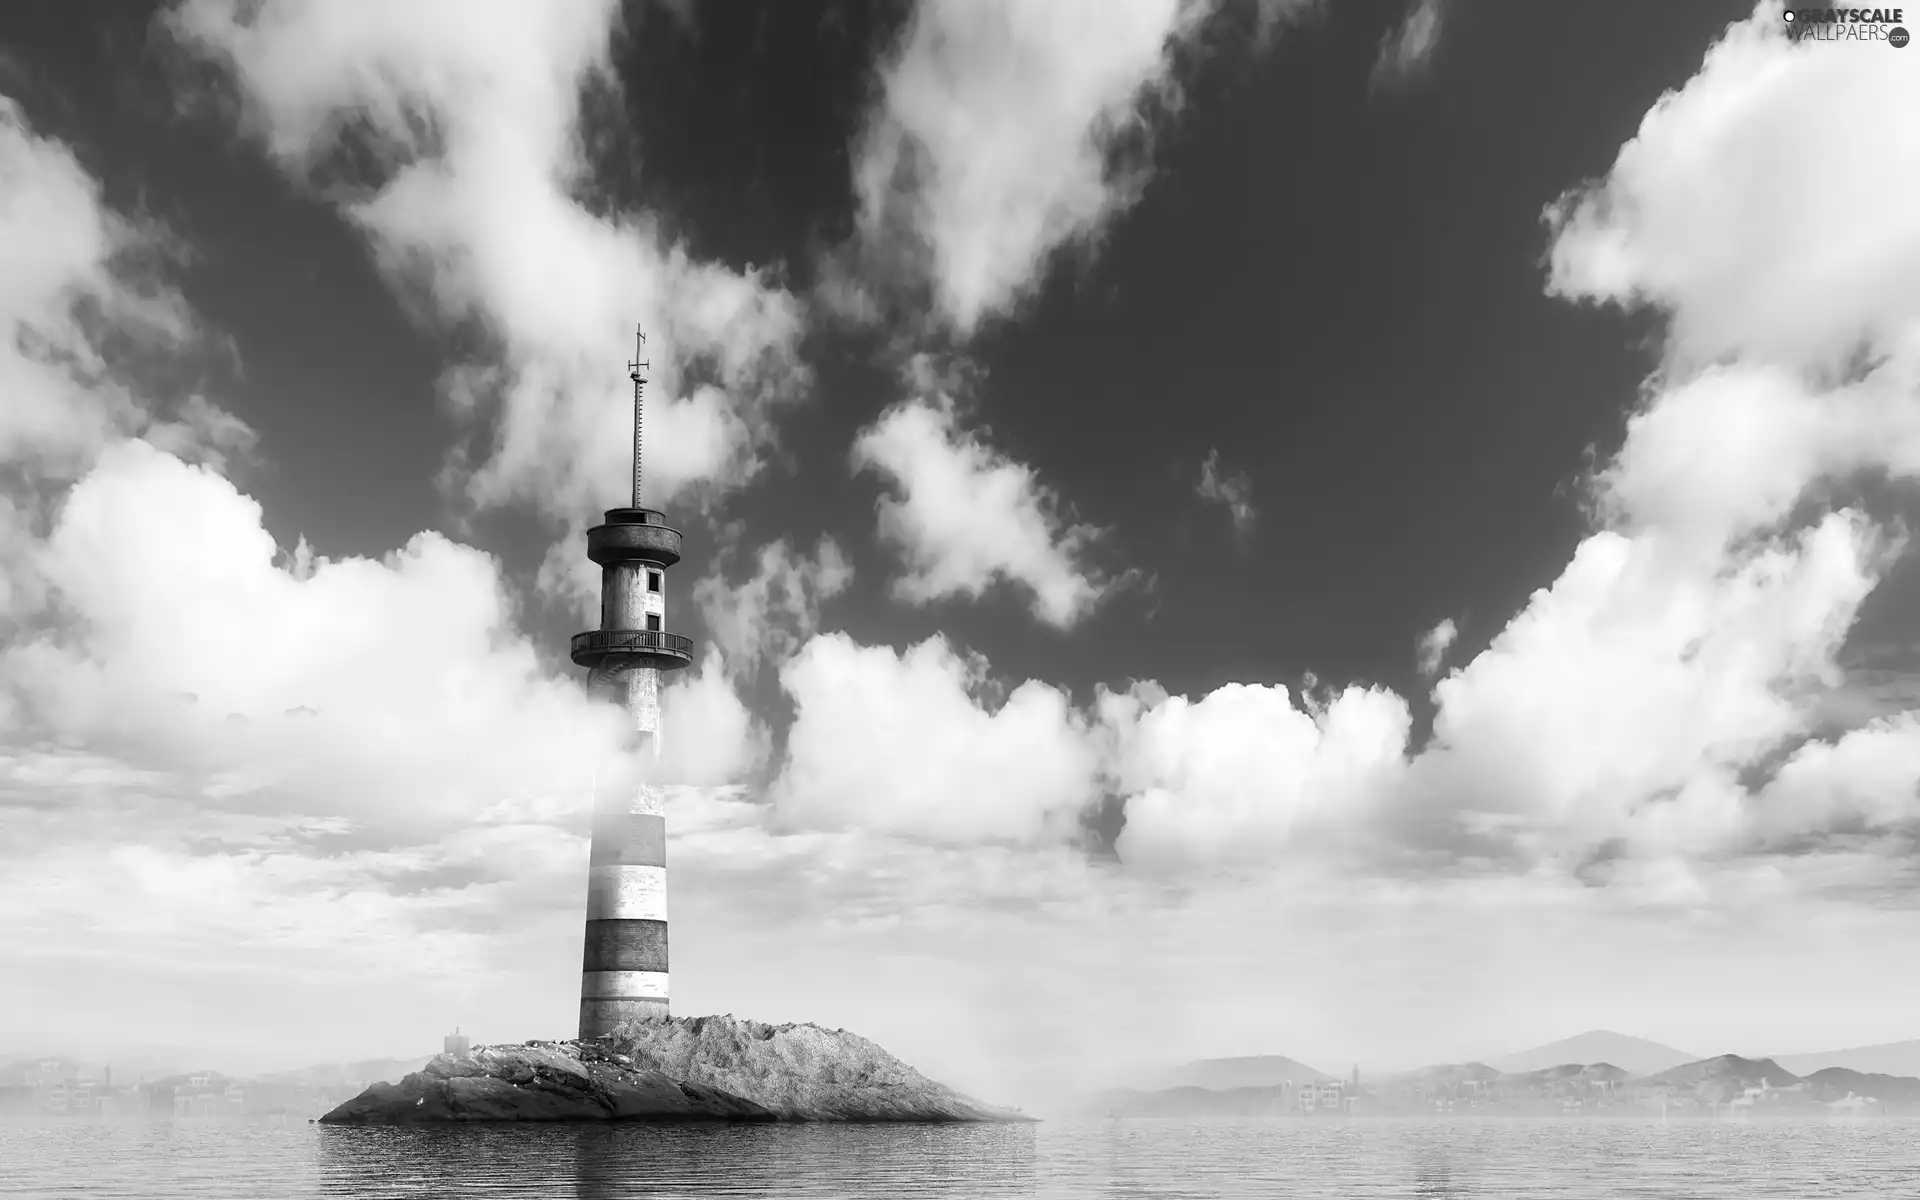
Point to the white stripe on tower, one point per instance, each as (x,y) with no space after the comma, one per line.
(624,971)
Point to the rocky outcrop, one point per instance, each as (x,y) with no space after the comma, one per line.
(679,1069)
(540,1081)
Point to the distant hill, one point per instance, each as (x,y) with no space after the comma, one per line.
(129,1060)
(1730,1069)
(376,1070)
(1193,1102)
(1891,1058)
(171,1074)
(1447,1075)
(1591,1073)
(1226,1074)
(1635,1056)
(1837,1083)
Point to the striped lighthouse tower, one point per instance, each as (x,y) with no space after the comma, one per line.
(623,974)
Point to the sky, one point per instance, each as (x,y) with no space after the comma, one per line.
(1369,532)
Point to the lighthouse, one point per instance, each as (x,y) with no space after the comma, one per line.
(623,973)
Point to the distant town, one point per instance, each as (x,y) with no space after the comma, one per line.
(1726,1087)
(63,1086)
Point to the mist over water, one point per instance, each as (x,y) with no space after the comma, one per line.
(1456,1159)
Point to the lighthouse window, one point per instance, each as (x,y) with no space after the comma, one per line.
(653,581)
(653,622)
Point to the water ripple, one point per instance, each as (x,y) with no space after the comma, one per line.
(1135,1160)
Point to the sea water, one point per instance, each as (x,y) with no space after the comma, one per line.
(1569,1159)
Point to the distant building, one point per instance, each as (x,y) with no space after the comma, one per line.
(1328,1096)
(455,1044)
(1853,1107)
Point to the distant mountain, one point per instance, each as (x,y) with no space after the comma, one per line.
(1226,1074)
(1635,1056)
(1891,1058)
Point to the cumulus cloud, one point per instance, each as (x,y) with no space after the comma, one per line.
(1667,677)
(1232,490)
(904,743)
(1407,48)
(1246,773)
(1434,644)
(480,213)
(708,738)
(965,516)
(429,707)
(768,616)
(1676,225)
(999,136)
(397,694)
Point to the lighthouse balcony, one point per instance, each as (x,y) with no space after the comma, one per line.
(634,534)
(617,649)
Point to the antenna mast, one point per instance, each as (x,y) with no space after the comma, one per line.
(637,371)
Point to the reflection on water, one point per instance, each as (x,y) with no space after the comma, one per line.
(616,1162)
(1358,1160)
(1433,1176)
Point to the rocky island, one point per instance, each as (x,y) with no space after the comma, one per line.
(672,1069)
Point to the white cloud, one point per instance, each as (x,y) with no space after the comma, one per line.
(1232,490)
(1625,699)
(1434,644)
(965,516)
(996,137)
(1736,202)
(1730,452)
(1244,775)
(902,743)
(708,738)
(1407,49)
(767,617)
(57,251)
(473,111)
(430,706)
(63,254)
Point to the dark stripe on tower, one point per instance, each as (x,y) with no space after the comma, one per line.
(628,839)
(607,1016)
(625,945)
